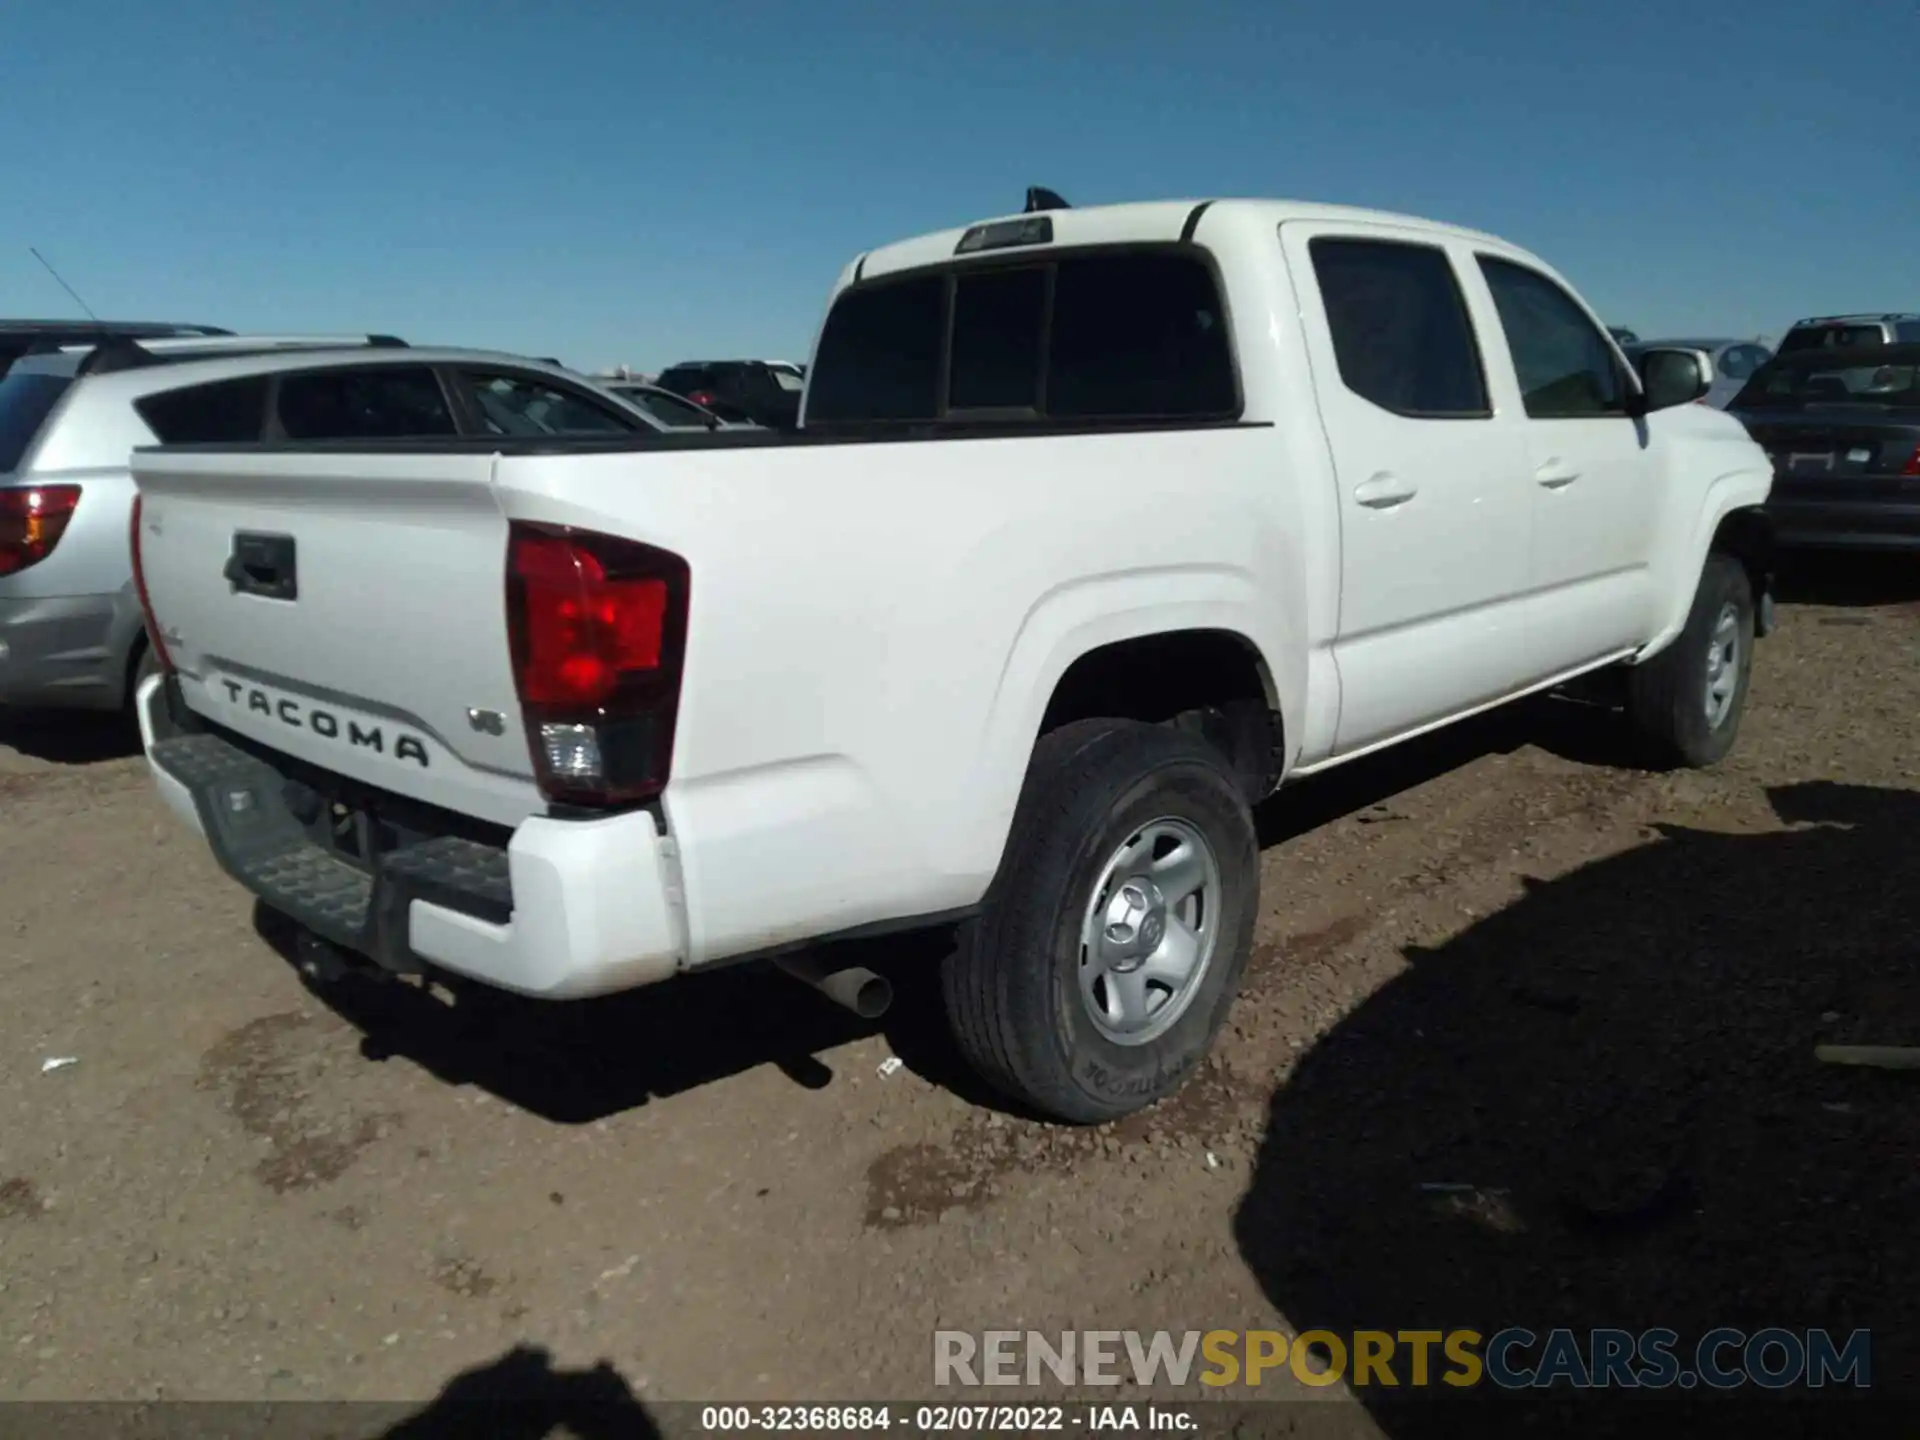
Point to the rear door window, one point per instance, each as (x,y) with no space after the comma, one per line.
(228,411)
(1401,334)
(25,403)
(364,402)
(508,404)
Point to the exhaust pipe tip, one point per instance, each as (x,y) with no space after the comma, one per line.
(872,994)
(852,987)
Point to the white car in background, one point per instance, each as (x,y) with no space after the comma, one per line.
(674,412)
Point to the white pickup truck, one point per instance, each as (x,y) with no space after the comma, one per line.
(1102,524)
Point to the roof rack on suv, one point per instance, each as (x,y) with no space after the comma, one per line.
(80,329)
(123,353)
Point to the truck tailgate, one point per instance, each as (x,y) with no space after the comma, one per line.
(348,610)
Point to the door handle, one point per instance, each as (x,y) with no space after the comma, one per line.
(1384,491)
(1556,475)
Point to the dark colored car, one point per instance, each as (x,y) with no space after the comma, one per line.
(738,390)
(1843,428)
(17,337)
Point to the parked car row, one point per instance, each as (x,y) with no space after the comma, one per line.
(757,392)
(1837,407)
(72,410)
(1842,426)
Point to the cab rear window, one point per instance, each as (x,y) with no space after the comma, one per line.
(1113,335)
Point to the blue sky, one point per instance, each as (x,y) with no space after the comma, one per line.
(615,182)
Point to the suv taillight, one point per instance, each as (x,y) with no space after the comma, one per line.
(1912,467)
(158,645)
(32,520)
(703,397)
(599,629)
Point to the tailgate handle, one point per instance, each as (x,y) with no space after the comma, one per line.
(263,565)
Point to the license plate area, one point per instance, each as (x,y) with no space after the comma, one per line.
(356,835)
(337,857)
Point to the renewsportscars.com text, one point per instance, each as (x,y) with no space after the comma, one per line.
(1510,1359)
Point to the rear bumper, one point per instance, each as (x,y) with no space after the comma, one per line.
(1811,523)
(59,652)
(562,909)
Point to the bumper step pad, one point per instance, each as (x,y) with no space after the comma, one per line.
(243,807)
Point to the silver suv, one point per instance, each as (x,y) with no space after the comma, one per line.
(1850,332)
(70,627)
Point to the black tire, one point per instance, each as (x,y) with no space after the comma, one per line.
(1667,696)
(1013,985)
(145,663)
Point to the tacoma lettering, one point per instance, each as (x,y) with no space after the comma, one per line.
(327,725)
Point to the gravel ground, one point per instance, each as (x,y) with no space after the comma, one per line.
(1498,960)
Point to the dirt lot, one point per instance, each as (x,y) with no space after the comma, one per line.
(1502,960)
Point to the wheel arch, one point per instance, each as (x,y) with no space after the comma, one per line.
(1731,517)
(1211,680)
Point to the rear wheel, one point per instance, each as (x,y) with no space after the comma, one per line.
(1687,701)
(1112,943)
(144,663)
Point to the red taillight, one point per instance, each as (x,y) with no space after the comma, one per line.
(158,645)
(32,520)
(598,627)
(1912,467)
(702,397)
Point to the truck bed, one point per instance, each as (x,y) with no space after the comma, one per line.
(874,627)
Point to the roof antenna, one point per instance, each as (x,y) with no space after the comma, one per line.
(64,286)
(1038,198)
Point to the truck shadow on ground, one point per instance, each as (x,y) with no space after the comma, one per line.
(581,1061)
(1585,730)
(1863,578)
(68,737)
(573,1062)
(521,1396)
(1600,1107)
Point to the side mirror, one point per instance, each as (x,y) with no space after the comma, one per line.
(1672,376)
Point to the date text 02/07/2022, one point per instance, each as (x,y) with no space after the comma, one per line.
(945,1419)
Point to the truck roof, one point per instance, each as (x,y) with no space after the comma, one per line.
(1151,220)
